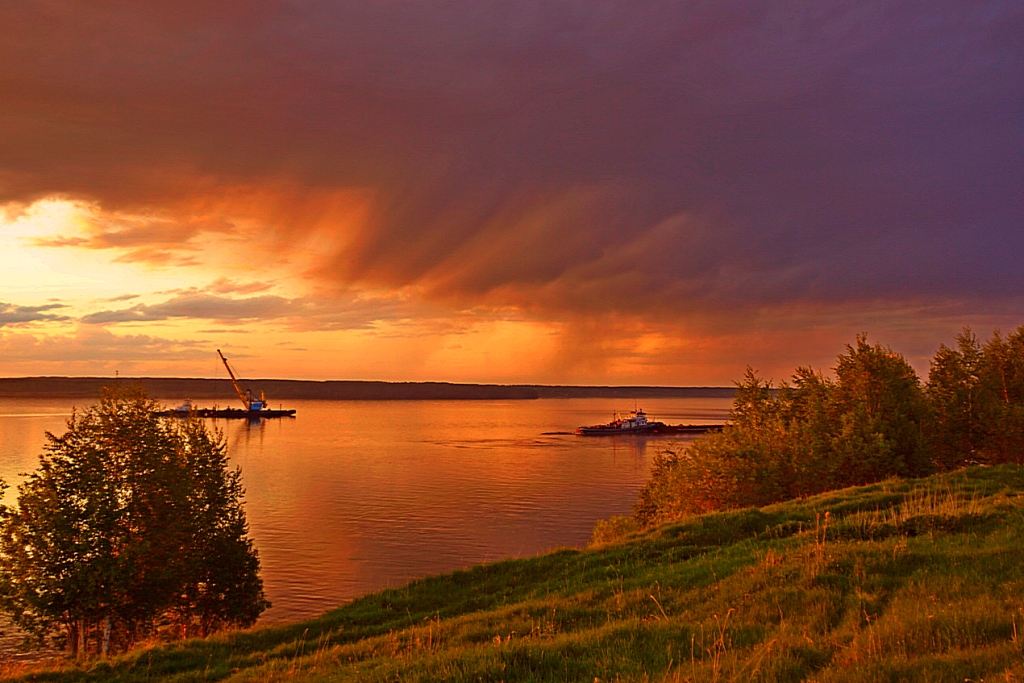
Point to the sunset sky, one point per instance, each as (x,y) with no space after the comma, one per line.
(635,192)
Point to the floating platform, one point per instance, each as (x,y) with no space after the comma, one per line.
(659,428)
(226,413)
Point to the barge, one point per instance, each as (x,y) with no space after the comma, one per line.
(186,409)
(255,408)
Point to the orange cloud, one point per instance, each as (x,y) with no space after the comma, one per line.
(90,350)
(12,314)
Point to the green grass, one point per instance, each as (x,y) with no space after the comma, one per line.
(919,580)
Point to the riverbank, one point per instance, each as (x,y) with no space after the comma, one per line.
(180,388)
(915,580)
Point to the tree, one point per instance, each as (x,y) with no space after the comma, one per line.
(223,587)
(977,397)
(132,524)
(957,400)
(882,409)
(1001,374)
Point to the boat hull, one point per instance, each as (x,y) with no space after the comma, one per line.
(602,430)
(229,413)
(650,428)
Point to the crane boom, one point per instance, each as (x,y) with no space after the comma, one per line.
(238,389)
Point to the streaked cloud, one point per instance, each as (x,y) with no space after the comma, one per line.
(12,314)
(88,350)
(225,285)
(308,313)
(759,150)
(137,238)
(199,306)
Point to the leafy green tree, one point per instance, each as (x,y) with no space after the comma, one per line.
(957,401)
(221,585)
(882,408)
(811,415)
(976,394)
(872,421)
(132,524)
(1002,397)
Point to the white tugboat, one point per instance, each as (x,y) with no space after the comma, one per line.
(636,422)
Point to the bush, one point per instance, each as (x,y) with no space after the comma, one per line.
(612,530)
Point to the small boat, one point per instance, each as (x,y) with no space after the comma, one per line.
(181,411)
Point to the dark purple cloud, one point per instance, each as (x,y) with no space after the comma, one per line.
(565,155)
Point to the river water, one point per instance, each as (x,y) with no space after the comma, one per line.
(352,496)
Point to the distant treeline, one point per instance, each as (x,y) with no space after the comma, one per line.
(279,390)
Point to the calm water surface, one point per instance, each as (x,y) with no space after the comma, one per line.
(352,496)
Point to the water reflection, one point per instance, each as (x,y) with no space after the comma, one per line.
(634,446)
(241,432)
(348,497)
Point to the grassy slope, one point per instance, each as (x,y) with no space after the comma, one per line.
(905,580)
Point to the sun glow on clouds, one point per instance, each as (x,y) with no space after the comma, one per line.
(72,275)
(88,292)
(82,307)
(95,291)
(130,288)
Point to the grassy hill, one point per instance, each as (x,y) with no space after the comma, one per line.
(919,580)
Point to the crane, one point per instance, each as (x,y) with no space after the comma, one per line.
(248,399)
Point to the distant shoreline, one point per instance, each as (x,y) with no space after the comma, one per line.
(277,390)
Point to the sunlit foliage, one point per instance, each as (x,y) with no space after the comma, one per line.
(132,526)
(874,420)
